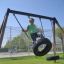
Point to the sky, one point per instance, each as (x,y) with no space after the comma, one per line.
(51,8)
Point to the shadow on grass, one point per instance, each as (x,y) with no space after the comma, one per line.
(20,58)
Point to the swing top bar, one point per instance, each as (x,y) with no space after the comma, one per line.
(29,14)
(35,15)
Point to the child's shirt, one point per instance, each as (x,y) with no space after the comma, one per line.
(32,29)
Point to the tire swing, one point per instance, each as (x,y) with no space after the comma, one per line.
(45,50)
(42,41)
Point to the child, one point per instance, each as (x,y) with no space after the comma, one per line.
(32,29)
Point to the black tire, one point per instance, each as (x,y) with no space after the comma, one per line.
(45,50)
(53,58)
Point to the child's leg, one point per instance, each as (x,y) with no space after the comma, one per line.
(34,36)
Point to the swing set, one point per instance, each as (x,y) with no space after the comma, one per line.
(41,41)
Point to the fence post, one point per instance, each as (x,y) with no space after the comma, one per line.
(62,39)
(54,40)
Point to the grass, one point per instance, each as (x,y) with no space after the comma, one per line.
(29,60)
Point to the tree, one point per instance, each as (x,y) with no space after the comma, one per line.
(59,33)
(21,41)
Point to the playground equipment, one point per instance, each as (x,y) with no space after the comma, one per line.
(40,41)
(43,40)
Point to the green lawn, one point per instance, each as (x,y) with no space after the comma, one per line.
(29,60)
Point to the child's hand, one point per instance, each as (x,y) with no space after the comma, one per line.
(24,30)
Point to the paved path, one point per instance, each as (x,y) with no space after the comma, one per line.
(7,54)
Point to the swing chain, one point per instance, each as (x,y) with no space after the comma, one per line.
(42,27)
(20,25)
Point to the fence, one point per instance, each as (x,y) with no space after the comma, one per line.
(16,41)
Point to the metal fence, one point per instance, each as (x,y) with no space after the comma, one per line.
(16,41)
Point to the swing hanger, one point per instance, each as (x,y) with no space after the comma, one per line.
(20,25)
(41,27)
